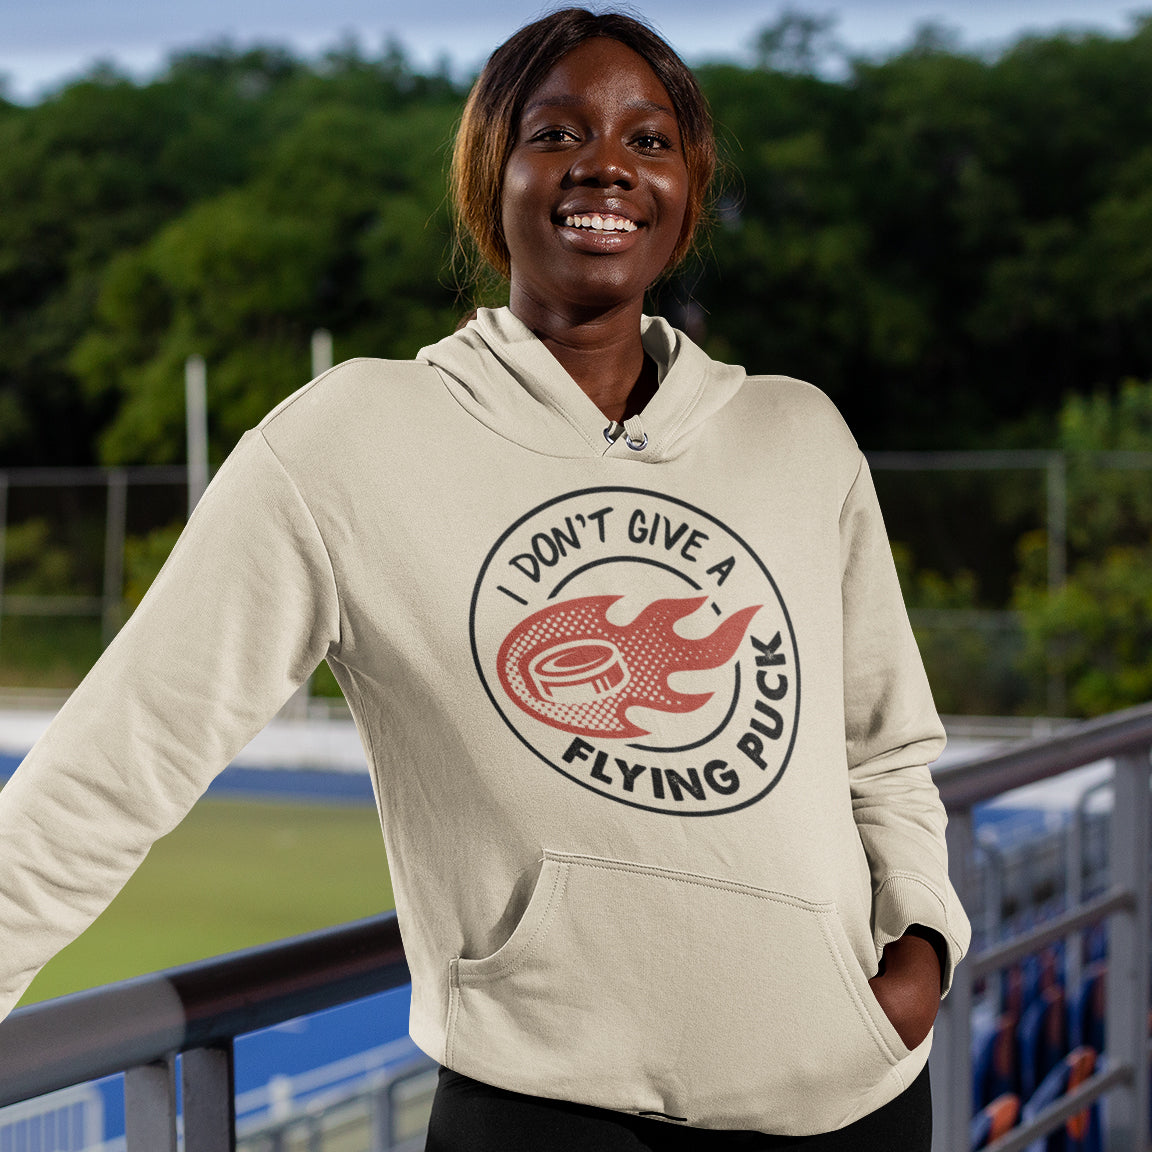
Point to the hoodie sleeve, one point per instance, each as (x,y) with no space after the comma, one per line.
(892,734)
(241,613)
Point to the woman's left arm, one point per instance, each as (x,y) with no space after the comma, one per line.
(892,734)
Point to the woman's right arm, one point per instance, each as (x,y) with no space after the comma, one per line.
(240,615)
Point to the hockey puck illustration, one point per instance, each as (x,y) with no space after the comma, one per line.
(640,648)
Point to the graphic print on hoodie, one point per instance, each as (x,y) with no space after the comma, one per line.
(638,646)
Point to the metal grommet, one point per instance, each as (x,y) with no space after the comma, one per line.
(635,445)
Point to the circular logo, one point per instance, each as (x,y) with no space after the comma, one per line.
(638,646)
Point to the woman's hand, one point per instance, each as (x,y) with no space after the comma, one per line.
(908,987)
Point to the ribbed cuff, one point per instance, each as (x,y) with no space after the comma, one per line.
(905,900)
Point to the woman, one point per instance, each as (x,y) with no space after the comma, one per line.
(621,633)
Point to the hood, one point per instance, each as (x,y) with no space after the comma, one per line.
(503,376)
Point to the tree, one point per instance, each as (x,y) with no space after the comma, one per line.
(945,242)
(339,229)
(797,41)
(94,169)
(91,176)
(1095,633)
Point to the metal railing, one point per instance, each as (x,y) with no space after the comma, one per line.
(1126,739)
(139,1026)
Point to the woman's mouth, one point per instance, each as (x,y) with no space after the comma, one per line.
(601,222)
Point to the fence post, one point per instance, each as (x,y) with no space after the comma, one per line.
(993,888)
(950,1065)
(1126,1023)
(1057,521)
(1074,896)
(196,420)
(150,1107)
(207,1083)
(114,532)
(1057,485)
(321,351)
(380,1114)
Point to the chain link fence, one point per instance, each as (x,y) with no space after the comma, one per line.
(79,546)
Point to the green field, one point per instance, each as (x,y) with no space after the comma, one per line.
(233,874)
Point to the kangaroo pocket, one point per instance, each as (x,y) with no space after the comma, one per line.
(700,1000)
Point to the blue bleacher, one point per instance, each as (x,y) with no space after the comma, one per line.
(1044,1041)
(1080,1133)
(994,1120)
(1042,1038)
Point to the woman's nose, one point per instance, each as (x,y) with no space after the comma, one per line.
(603,162)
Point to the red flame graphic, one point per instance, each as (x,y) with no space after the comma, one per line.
(569,666)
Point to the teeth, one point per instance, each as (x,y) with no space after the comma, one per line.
(600,223)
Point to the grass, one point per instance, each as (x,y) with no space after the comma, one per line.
(233,874)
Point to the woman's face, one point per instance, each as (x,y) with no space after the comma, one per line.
(596,185)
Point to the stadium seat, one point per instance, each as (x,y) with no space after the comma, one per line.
(1031,969)
(994,1066)
(1012,991)
(1042,1038)
(1087,1008)
(1080,1133)
(1031,977)
(1096,942)
(993,1120)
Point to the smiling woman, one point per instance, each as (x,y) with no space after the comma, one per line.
(582,119)
(517,69)
(623,637)
(599,142)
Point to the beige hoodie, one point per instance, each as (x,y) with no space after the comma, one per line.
(647,725)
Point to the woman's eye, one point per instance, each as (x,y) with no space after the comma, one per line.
(653,142)
(554,135)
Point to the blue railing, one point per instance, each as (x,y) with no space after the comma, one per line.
(139,1026)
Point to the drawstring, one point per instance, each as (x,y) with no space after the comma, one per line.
(634,435)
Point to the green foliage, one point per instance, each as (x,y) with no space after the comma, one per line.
(336,230)
(144,556)
(1108,505)
(83,175)
(1095,633)
(943,242)
(324,684)
(90,180)
(956,247)
(926,590)
(796,41)
(970,655)
(35,564)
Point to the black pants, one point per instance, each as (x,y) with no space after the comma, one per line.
(468,1116)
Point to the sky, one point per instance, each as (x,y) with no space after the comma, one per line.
(43,42)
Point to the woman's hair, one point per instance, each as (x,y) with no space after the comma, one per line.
(514,71)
